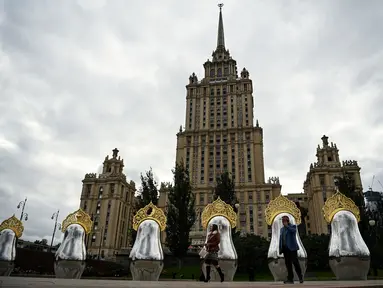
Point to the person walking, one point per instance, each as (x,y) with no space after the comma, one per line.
(212,248)
(288,246)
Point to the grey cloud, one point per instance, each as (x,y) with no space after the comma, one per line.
(80,78)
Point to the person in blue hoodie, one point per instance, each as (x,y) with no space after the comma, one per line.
(288,246)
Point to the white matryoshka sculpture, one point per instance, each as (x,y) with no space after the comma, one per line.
(275,210)
(223,215)
(71,255)
(349,257)
(10,230)
(147,255)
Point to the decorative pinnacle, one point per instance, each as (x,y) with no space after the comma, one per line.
(221,37)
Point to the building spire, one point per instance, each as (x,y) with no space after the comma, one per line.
(221,36)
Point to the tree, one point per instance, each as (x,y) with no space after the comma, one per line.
(148,193)
(149,190)
(317,251)
(225,190)
(252,252)
(43,242)
(181,213)
(304,212)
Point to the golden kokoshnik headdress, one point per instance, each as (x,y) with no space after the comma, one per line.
(282,205)
(13,224)
(339,202)
(150,212)
(78,217)
(218,208)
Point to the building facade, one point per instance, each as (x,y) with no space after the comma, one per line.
(108,198)
(319,184)
(219,135)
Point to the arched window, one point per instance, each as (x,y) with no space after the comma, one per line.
(100,192)
(211,72)
(219,72)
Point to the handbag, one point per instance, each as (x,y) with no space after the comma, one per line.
(203,253)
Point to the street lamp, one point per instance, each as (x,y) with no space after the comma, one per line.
(373,241)
(22,206)
(57,225)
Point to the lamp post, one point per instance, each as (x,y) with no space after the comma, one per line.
(55,216)
(374,239)
(22,205)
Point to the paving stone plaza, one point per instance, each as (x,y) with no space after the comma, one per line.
(44,282)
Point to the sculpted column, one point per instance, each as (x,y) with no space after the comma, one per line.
(147,255)
(275,210)
(71,255)
(349,256)
(225,218)
(10,230)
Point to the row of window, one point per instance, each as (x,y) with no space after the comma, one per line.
(222,90)
(219,139)
(216,119)
(220,165)
(125,191)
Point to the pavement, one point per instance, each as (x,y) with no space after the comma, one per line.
(74,283)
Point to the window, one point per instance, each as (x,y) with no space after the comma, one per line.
(321,180)
(100,193)
(211,72)
(88,190)
(219,72)
(226,71)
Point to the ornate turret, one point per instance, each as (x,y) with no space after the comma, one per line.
(339,202)
(78,217)
(13,224)
(150,212)
(218,208)
(282,205)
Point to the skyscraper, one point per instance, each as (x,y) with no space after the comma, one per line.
(108,198)
(319,184)
(219,135)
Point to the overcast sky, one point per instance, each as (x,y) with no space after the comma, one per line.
(79,78)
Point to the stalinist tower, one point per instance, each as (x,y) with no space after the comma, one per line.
(219,135)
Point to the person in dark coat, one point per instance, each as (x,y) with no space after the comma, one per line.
(289,247)
(212,248)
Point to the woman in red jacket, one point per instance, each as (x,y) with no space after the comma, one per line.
(212,248)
